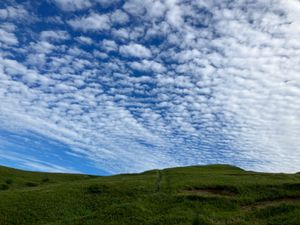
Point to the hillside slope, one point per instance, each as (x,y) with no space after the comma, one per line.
(216,194)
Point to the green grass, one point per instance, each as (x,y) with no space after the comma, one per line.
(197,195)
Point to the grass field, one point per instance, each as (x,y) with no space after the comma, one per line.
(198,195)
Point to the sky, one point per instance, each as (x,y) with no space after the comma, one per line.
(112,86)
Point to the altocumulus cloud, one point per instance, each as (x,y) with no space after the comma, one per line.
(127,86)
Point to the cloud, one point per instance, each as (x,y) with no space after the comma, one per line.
(119,17)
(135,50)
(31,163)
(109,45)
(42,47)
(134,7)
(84,40)
(13,13)
(92,22)
(54,35)
(72,5)
(8,38)
(172,82)
(146,65)
(152,9)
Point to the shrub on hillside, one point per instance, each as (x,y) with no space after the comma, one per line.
(8,181)
(96,189)
(4,187)
(31,184)
(45,180)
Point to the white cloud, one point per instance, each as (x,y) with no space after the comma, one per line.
(72,5)
(54,35)
(120,33)
(119,17)
(42,47)
(31,163)
(156,9)
(106,3)
(134,7)
(174,13)
(48,167)
(146,65)
(150,9)
(135,50)
(13,13)
(92,22)
(85,40)
(109,45)
(8,38)
(213,82)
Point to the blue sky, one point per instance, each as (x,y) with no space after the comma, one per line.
(111,86)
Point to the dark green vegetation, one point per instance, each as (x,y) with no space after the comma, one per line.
(216,194)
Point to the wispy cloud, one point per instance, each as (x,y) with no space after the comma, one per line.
(72,5)
(92,22)
(135,50)
(8,38)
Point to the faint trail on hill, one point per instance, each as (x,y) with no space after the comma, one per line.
(158,181)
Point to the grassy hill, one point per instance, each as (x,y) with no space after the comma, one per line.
(216,194)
